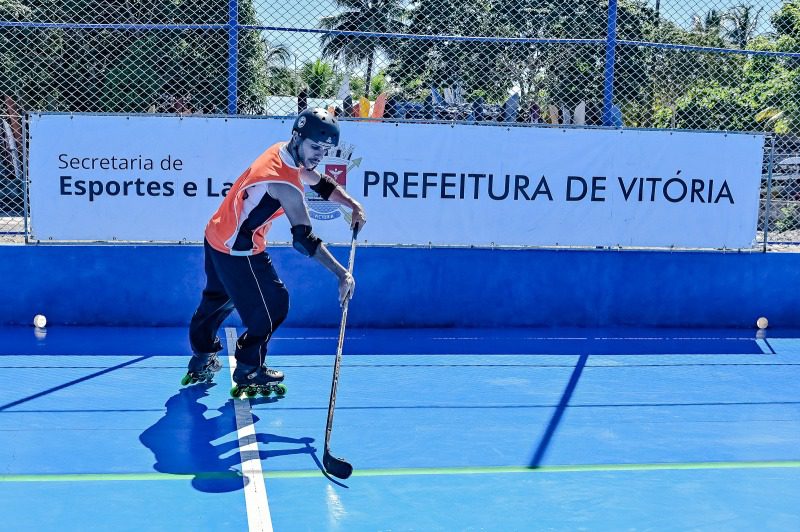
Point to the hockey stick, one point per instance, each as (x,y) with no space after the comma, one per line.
(338,467)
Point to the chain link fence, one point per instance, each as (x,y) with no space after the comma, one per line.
(780,193)
(686,64)
(11,182)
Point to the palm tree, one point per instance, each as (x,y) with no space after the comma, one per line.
(276,59)
(278,53)
(318,77)
(373,16)
(743,24)
(281,79)
(711,24)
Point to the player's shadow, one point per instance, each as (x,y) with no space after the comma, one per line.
(183,442)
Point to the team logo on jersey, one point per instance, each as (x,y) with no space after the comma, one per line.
(335,165)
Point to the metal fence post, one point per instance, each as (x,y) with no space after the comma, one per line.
(25,176)
(233,54)
(770,162)
(611,52)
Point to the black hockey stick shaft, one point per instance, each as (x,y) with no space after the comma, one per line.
(336,466)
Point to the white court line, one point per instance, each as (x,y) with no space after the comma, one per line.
(255,492)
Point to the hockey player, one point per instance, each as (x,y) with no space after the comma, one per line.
(239,272)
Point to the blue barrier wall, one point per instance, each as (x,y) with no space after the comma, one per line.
(160,285)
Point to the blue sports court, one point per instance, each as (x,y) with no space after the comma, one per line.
(448,429)
(576,294)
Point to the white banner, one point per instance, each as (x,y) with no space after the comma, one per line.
(155,178)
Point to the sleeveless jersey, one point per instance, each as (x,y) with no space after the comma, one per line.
(241,223)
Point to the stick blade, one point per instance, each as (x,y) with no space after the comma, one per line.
(336,466)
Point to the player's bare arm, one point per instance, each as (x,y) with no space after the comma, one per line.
(305,241)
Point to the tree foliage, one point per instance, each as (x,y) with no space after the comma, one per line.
(373,16)
(319,79)
(746,93)
(127,70)
(138,70)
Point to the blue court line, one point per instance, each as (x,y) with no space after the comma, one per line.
(70,383)
(598,366)
(557,406)
(413,471)
(559,413)
(766,341)
(83,411)
(487,345)
(430,352)
(460,406)
(542,366)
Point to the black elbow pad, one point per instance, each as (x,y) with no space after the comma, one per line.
(325,187)
(304,240)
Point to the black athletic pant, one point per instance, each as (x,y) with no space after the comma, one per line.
(251,286)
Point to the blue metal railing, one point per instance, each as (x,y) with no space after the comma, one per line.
(611,52)
(233,55)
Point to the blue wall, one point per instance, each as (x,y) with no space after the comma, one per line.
(160,285)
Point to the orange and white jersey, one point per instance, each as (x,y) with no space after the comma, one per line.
(241,223)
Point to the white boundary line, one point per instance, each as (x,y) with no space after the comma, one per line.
(255,492)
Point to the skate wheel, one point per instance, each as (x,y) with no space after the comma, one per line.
(280,389)
(186,379)
(236,392)
(265,392)
(251,392)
